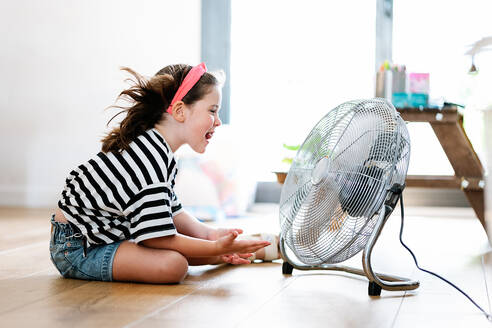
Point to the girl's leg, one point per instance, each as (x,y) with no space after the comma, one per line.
(204,260)
(137,263)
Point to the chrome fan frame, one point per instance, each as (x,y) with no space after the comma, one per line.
(304,245)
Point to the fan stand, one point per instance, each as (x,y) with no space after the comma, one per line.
(377,281)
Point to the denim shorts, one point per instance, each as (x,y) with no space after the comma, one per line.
(67,254)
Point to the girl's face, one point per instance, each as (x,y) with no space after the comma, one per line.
(202,118)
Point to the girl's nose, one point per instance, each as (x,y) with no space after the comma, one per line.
(218,122)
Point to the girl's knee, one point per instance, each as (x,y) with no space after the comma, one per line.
(181,267)
(173,270)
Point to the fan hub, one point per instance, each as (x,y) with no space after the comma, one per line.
(320,170)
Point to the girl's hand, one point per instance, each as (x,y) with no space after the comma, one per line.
(229,258)
(236,258)
(221,232)
(229,245)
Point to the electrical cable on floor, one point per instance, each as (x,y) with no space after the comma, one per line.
(487,315)
(486,287)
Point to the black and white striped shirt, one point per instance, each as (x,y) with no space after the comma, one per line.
(124,196)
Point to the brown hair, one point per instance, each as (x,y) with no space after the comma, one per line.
(149,99)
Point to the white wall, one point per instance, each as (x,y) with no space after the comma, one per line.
(59,66)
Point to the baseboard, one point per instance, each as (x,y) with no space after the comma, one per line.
(435,197)
(266,192)
(269,192)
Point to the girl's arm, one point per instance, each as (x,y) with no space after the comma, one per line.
(190,226)
(195,247)
(187,224)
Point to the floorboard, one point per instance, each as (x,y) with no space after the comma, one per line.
(449,241)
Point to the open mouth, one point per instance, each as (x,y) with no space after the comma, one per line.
(209,135)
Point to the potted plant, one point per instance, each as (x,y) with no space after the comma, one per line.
(281,175)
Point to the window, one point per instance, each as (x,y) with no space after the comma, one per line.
(292,62)
(433,36)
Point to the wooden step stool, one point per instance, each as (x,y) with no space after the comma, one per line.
(447,124)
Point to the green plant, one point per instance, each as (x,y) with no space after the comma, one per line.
(288,160)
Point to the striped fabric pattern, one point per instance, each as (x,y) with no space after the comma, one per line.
(124,196)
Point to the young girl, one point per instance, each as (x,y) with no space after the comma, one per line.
(118,217)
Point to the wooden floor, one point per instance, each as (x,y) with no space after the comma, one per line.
(449,241)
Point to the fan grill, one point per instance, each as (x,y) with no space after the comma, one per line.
(339,178)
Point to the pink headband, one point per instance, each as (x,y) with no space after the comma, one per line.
(189,81)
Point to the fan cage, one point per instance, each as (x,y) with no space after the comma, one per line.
(339,180)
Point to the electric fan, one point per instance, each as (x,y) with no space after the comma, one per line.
(343,185)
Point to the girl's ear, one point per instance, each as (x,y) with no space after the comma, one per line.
(178,111)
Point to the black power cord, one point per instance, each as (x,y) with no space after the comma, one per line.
(487,315)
